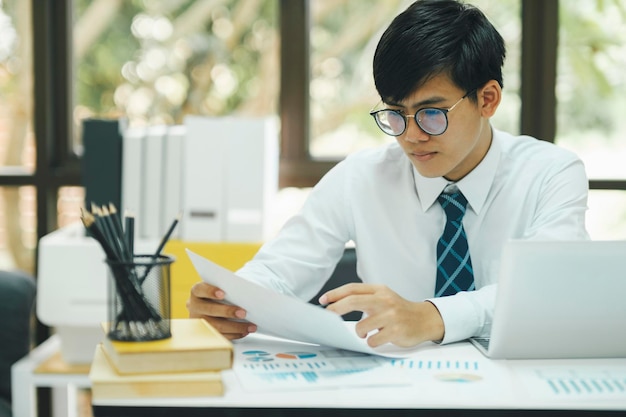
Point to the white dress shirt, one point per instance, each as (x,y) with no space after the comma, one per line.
(524,188)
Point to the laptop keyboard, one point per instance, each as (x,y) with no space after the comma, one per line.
(483,341)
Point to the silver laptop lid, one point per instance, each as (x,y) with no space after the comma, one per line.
(560,300)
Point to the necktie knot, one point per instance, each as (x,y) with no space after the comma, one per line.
(454,204)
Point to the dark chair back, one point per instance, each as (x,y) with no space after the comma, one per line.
(344,273)
(17,298)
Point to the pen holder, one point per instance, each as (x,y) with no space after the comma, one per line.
(139,298)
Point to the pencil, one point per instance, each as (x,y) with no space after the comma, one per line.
(114,233)
(129,234)
(104,229)
(167,236)
(117,222)
(162,244)
(89,221)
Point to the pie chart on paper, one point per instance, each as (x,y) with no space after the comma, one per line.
(458,377)
(296,355)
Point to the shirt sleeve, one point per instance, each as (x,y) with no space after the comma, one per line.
(301,258)
(466,314)
(562,205)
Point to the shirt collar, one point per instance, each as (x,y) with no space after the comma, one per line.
(474,186)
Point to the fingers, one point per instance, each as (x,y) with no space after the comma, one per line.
(231,329)
(204,290)
(344,291)
(408,324)
(207,302)
(377,333)
(353,297)
(365,303)
(388,318)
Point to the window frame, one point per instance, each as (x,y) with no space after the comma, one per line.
(297,167)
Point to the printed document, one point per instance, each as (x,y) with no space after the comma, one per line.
(288,317)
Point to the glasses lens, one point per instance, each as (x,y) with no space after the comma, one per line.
(432,121)
(390,122)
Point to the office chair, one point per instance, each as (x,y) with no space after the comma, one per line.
(17,298)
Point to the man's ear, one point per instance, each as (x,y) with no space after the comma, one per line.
(489,97)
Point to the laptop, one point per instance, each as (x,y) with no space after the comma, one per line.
(559,299)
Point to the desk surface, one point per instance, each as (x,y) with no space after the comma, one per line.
(440,379)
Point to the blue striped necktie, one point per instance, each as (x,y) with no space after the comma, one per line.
(454,265)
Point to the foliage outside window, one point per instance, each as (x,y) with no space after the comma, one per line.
(591,102)
(154,62)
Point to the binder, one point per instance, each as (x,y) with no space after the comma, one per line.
(101,168)
(171,197)
(150,215)
(251,177)
(230,178)
(204,153)
(132,171)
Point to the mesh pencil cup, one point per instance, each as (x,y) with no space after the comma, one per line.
(139,298)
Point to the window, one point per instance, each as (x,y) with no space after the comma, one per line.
(154,62)
(591,103)
(17,151)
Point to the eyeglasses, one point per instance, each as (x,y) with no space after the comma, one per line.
(432,120)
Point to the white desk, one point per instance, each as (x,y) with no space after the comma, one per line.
(500,388)
(40,368)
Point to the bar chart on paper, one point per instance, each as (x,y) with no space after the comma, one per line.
(582,383)
(437,364)
(447,370)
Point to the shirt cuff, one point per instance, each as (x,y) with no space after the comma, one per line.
(461,320)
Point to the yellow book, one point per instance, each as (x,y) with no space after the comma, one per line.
(106,383)
(195,346)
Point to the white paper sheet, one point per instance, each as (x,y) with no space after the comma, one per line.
(285,316)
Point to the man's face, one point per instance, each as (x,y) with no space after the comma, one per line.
(461,147)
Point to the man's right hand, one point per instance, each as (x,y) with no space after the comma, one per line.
(206,302)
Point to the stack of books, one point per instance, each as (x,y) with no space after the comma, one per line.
(188,364)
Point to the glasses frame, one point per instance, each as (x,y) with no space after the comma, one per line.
(406,117)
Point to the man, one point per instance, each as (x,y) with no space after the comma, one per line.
(438,70)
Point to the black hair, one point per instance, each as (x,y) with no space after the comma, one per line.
(433,37)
